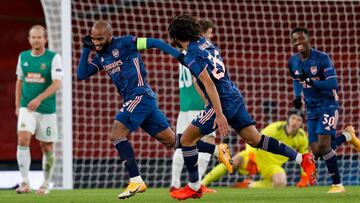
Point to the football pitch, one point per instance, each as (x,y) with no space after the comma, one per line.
(160,195)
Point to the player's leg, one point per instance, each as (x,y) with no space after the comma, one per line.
(129,118)
(244,125)
(204,158)
(326,128)
(48,166)
(183,120)
(47,134)
(25,129)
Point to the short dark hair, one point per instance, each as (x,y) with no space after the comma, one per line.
(205,25)
(184,28)
(297,112)
(300,29)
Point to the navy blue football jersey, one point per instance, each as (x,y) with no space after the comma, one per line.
(122,62)
(202,55)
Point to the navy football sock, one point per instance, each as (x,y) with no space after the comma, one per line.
(190,159)
(332,166)
(201,145)
(205,147)
(127,155)
(340,139)
(274,146)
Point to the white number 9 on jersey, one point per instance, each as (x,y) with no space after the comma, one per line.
(217,73)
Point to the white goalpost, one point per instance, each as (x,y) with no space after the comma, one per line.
(254,37)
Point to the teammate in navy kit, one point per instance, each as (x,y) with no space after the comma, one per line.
(225,104)
(315,76)
(120,58)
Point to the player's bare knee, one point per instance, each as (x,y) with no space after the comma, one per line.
(237,161)
(279,180)
(46,146)
(279,183)
(24,138)
(118,131)
(324,148)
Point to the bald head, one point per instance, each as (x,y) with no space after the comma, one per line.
(102,26)
(101,35)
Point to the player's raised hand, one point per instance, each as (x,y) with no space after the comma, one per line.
(87,42)
(222,124)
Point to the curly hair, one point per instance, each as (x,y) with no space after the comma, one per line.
(184,28)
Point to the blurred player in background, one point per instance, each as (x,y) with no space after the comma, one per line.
(225,103)
(251,160)
(192,101)
(120,58)
(39,73)
(315,76)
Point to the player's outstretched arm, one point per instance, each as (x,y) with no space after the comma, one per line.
(213,94)
(328,84)
(147,43)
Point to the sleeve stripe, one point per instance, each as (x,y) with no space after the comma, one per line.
(141,43)
(334,76)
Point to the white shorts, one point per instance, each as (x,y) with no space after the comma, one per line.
(184,120)
(44,126)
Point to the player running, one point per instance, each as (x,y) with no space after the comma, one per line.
(120,58)
(315,76)
(225,104)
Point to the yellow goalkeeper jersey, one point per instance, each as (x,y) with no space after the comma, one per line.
(299,142)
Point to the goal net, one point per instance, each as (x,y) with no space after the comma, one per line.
(254,37)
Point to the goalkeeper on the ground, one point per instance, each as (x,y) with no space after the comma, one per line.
(251,161)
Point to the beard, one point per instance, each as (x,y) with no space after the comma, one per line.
(103,49)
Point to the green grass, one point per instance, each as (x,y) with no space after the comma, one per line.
(224,195)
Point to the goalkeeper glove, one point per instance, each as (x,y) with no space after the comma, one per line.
(87,42)
(297,102)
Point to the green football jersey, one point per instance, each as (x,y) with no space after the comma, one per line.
(190,100)
(36,78)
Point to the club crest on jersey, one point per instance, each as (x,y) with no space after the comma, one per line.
(43,66)
(115,53)
(313,70)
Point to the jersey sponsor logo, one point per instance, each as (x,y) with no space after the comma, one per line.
(115,53)
(113,67)
(34,78)
(43,66)
(297,72)
(26,64)
(313,70)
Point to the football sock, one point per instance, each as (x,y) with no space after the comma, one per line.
(274,146)
(24,160)
(190,155)
(203,163)
(201,145)
(332,166)
(176,168)
(205,147)
(48,164)
(215,174)
(127,156)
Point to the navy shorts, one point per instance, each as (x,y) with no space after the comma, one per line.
(142,111)
(239,120)
(324,124)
